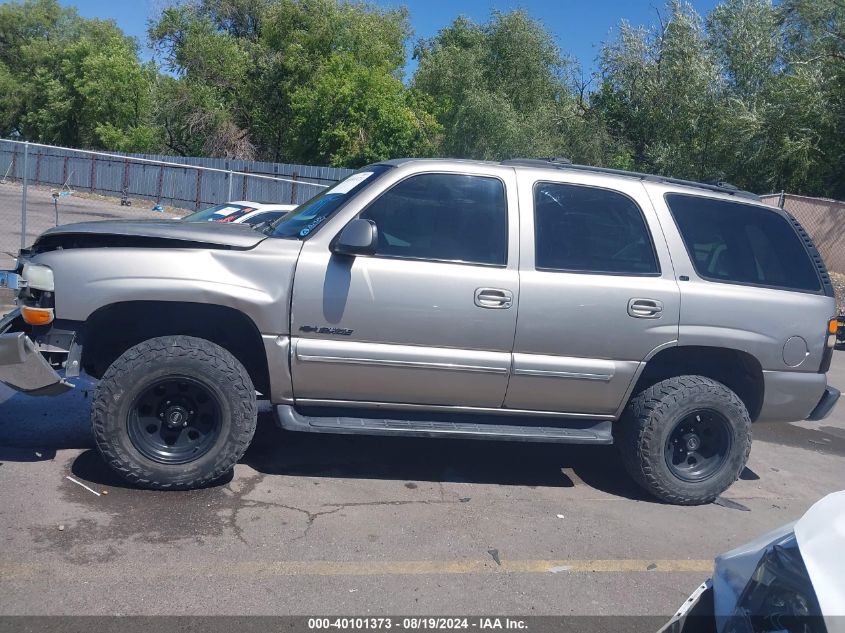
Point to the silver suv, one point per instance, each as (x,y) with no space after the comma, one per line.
(524,300)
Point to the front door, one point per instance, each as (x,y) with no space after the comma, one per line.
(429,319)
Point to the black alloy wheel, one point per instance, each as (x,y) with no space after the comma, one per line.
(699,445)
(175,420)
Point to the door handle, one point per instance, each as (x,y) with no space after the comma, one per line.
(493,298)
(645,308)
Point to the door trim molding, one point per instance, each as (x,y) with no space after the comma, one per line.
(385,362)
(574,375)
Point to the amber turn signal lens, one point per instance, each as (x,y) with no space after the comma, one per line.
(832,326)
(37,316)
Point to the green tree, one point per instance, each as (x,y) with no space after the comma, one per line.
(752,98)
(815,47)
(777,110)
(501,89)
(67,77)
(351,115)
(245,68)
(660,94)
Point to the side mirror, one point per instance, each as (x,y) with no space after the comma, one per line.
(359,237)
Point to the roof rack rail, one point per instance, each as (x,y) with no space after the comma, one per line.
(565,163)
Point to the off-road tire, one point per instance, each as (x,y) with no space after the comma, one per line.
(642,432)
(156,358)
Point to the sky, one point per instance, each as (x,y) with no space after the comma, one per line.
(578,25)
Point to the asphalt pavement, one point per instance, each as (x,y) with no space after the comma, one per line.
(316,524)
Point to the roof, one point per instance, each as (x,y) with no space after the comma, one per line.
(565,164)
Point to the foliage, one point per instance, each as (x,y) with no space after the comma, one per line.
(65,77)
(351,115)
(749,99)
(753,92)
(258,78)
(503,89)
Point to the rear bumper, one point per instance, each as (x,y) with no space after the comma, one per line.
(790,396)
(825,405)
(23,368)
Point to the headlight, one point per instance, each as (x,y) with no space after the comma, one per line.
(39,277)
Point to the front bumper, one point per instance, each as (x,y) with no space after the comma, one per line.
(696,615)
(22,367)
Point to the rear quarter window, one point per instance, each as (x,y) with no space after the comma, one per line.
(733,242)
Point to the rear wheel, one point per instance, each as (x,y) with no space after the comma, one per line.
(685,439)
(174,412)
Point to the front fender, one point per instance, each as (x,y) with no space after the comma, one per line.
(256,282)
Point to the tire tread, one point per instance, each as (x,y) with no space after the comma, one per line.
(150,353)
(642,421)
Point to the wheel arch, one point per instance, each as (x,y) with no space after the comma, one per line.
(114,328)
(738,370)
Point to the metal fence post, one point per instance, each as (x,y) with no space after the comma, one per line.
(23,196)
(199,188)
(293,188)
(93,172)
(160,183)
(229,179)
(38,168)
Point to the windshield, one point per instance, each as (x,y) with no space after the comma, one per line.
(309,216)
(219,213)
(261,218)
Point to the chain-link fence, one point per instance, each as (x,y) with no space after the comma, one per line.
(823,219)
(42,186)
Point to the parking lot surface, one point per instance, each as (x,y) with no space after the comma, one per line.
(315,524)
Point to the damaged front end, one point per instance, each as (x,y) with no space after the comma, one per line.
(789,580)
(31,350)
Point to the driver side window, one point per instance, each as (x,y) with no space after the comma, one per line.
(442,217)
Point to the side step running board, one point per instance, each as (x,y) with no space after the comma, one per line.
(577,432)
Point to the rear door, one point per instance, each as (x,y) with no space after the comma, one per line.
(598,293)
(429,319)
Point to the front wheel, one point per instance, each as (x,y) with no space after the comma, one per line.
(685,439)
(174,412)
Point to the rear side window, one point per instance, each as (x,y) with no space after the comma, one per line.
(587,229)
(443,217)
(742,243)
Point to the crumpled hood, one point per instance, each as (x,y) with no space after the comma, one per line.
(149,233)
(805,557)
